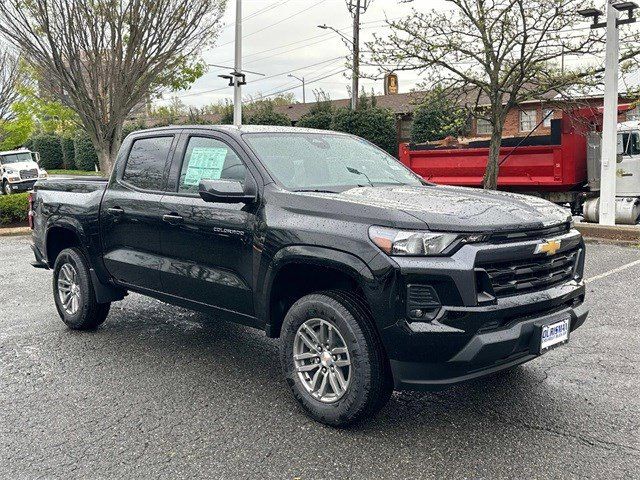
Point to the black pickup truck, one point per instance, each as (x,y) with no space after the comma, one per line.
(371,278)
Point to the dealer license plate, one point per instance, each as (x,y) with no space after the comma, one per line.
(554,334)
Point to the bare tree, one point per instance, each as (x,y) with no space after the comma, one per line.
(10,78)
(497,54)
(102,57)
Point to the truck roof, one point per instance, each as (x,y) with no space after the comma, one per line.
(11,152)
(233,130)
(630,125)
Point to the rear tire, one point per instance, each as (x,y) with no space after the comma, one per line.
(73,292)
(361,359)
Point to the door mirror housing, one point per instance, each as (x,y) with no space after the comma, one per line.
(227,191)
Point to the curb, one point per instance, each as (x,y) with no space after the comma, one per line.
(6,232)
(616,233)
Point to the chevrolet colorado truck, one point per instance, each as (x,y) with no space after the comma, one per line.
(373,279)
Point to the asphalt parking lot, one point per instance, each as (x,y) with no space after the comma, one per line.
(160,391)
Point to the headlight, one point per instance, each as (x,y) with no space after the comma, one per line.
(9,171)
(42,174)
(417,243)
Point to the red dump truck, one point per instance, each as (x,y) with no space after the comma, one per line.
(563,167)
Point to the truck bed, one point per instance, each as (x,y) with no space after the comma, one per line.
(556,162)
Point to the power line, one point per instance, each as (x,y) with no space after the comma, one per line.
(331,60)
(265,9)
(274,24)
(309,82)
(327,36)
(319,72)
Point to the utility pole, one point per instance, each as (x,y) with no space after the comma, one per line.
(301,79)
(355,80)
(356,8)
(237,75)
(609,146)
(610,122)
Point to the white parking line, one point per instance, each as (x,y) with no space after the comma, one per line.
(611,272)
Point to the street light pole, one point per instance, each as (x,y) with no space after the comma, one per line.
(610,122)
(237,78)
(301,79)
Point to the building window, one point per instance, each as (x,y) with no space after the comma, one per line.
(527,120)
(483,126)
(634,115)
(547,119)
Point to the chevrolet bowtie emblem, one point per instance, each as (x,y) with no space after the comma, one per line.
(549,247)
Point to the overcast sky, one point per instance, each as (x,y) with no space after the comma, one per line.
(317,53)
(280,36)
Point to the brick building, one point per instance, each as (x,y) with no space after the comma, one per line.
(520,120)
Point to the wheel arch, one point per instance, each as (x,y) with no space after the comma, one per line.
(299,270)
(68,233)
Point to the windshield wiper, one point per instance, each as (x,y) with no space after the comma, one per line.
(355,171)
(315,190)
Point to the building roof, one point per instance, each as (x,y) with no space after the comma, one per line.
(400,103)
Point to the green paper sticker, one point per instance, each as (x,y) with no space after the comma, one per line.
(205,163)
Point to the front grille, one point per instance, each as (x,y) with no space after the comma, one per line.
(502,237)
(29,174)
(532,274)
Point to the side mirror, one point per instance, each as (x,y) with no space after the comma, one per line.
(227,191)
(620,145)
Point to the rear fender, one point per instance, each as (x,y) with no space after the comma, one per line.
(104,291)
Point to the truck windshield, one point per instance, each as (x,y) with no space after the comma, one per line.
(16,158)
(327,162)
(630,143)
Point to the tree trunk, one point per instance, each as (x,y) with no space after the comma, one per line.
(490,180)
(107,157)
(107,151)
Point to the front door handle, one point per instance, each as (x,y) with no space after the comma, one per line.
(115,210)
(172,219)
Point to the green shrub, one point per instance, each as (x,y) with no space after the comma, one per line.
(320,116)
(14,208)
(265,114)
(85,155)
(68,153)
(50,149)
(370,122)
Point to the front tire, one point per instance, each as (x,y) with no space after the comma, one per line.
(7,189)
(73,292)
(333,360)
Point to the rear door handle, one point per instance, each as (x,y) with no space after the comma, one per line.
(115,210)
(172,219)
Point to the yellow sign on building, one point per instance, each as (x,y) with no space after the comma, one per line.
(390,84)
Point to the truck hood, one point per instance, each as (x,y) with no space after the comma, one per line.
(459,209)
(16,167)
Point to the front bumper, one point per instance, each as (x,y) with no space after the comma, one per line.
(484,354)
(23,186)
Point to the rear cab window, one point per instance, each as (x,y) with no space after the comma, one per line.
(146,163)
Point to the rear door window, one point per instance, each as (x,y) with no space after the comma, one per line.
(209,159)
(147,161)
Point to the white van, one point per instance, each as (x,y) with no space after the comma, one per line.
(20,170)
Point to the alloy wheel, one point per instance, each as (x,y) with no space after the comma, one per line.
(68,288)
(322,360)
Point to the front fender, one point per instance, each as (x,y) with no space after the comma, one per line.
(341,261)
